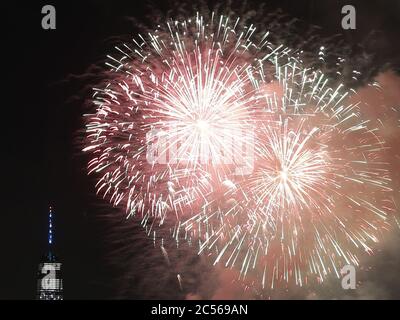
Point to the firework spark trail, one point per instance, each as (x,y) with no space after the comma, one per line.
(201,89)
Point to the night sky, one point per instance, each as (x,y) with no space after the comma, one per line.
(45,83)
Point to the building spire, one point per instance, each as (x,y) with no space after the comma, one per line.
(50,282)
(50,238)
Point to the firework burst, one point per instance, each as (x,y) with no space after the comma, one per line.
(175,102)
(320,192)
(206,125)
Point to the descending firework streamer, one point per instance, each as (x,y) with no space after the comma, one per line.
(245,150)
(320,193)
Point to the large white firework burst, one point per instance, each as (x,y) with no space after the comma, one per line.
(162,122)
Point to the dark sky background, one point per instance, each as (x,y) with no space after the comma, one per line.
(42,103)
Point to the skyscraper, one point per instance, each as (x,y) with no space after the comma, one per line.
(50,284)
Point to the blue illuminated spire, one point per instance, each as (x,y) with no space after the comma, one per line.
(50,235)
(50,282)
